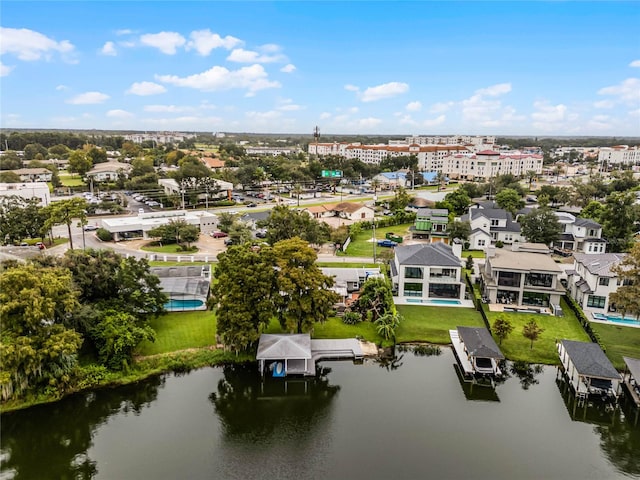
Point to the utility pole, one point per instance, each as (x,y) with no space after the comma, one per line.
(374,240)
(316,136)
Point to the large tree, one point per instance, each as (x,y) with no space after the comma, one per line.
(20,218)
(36,349)
(305,295)
(461,230)
(176,231)
(376,299)
(64,212)
(510,200)
(284,223)
(79,162)
(541,226)
(243,294)
(627,297)
(619,218)
(459,200)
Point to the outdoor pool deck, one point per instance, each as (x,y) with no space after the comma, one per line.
(433,302)
(502,307)
(615,320)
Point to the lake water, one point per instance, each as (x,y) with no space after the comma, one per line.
(406,418)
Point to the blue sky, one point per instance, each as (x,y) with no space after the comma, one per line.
(503,68)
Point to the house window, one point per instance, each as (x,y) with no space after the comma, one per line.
(495,222)
(413,272)
(604,281)
(595,301)
(412,290)
(444,290)
(481,242)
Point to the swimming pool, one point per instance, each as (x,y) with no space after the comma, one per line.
(634,322)
(175,304)
(433,301)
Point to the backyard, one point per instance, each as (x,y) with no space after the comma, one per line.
(618,342)
(179,331)
(362,245)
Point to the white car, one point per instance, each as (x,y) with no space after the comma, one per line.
(90,228)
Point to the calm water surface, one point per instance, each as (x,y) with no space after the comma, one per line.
(410,418)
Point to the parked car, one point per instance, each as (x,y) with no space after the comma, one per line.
(41,245)
(251,205)
(387,243)
(90,228)
(219,234)
(228,241)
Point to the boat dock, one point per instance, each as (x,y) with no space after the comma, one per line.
(461,355)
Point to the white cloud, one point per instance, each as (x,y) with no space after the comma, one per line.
(495,90)
(434,121)
(604,104)
(117,113)
(351,88)
(146,88)
(166,42)
(386,90)
(600,123)
(406,119)
(88,98)
(109,49)
(263,116)
(414,106)
(29,45)
(290,107)
(369,122)
(5,69)
(124,31)
(325,115)
(178,123)
(167,109)
(289,68)
(240,55)
(441,107)
(547,117)
(635,64)
(61,88)
(627,91)
(127,44)
(252,78)
(203,41)
(353,110)
(635,113)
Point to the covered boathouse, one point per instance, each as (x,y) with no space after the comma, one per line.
(632,382)
(476,351)
(588,370)
(296,354)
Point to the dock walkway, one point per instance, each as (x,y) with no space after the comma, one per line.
(458,349)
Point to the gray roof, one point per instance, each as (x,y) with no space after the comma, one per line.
(255,216)
(353,275)
(633,364)
(431,254)
(498,213)
(587,223)
(590,360)
(182,271)
(479,342)
(175,286)
(432,212)
(281,347)
(601,263)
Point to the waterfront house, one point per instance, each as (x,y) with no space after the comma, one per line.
(347,281)
(591,281)
(491,225)
(581,235)
(186,286)
(423,273)
(588,369)
(476,351)
(521,279)
(431,224)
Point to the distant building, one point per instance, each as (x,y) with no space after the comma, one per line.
(591,281)
(579,235)
(488,164)
(619,155)
(109,171)
(159,137)
(431,224)
(33,174)
(39,190)
(124,228)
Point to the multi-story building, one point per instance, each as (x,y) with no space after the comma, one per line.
(619,155)
(487,164)
(579,235)
(591,281)
(427,272)
(521,278)
(431,224)
(159,137)
(491,225)
(38,190)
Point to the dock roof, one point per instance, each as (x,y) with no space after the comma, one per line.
(479,342)
(590,360)
(281,347)
(633,364)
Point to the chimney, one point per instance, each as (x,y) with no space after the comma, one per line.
(456,247)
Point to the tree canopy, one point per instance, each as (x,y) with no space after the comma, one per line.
(541,226)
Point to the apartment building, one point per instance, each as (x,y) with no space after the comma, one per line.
(487,164)
(619,155)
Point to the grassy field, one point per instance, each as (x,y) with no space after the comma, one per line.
(618,341)
(347,265)
(362,246)
(432,324)
(517,347)
(473,253)
(181,330)
(171,248)
(71,180)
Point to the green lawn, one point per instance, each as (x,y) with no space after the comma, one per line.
(473,253)
(170,248)
(348,265)
(181,330)
(618,341)
(432,324)
(362,246)
(71,180)
(517,347)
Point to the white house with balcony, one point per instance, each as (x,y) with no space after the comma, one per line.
(491,225)
(580,235)
(518,278)
(428,273)
(591,281)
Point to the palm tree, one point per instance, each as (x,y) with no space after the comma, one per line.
(531,176)
(297,191)
(441,179)
(386,325)
(375,184)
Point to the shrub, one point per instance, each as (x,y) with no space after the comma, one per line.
(351,318)
(104,235)
(499,244)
